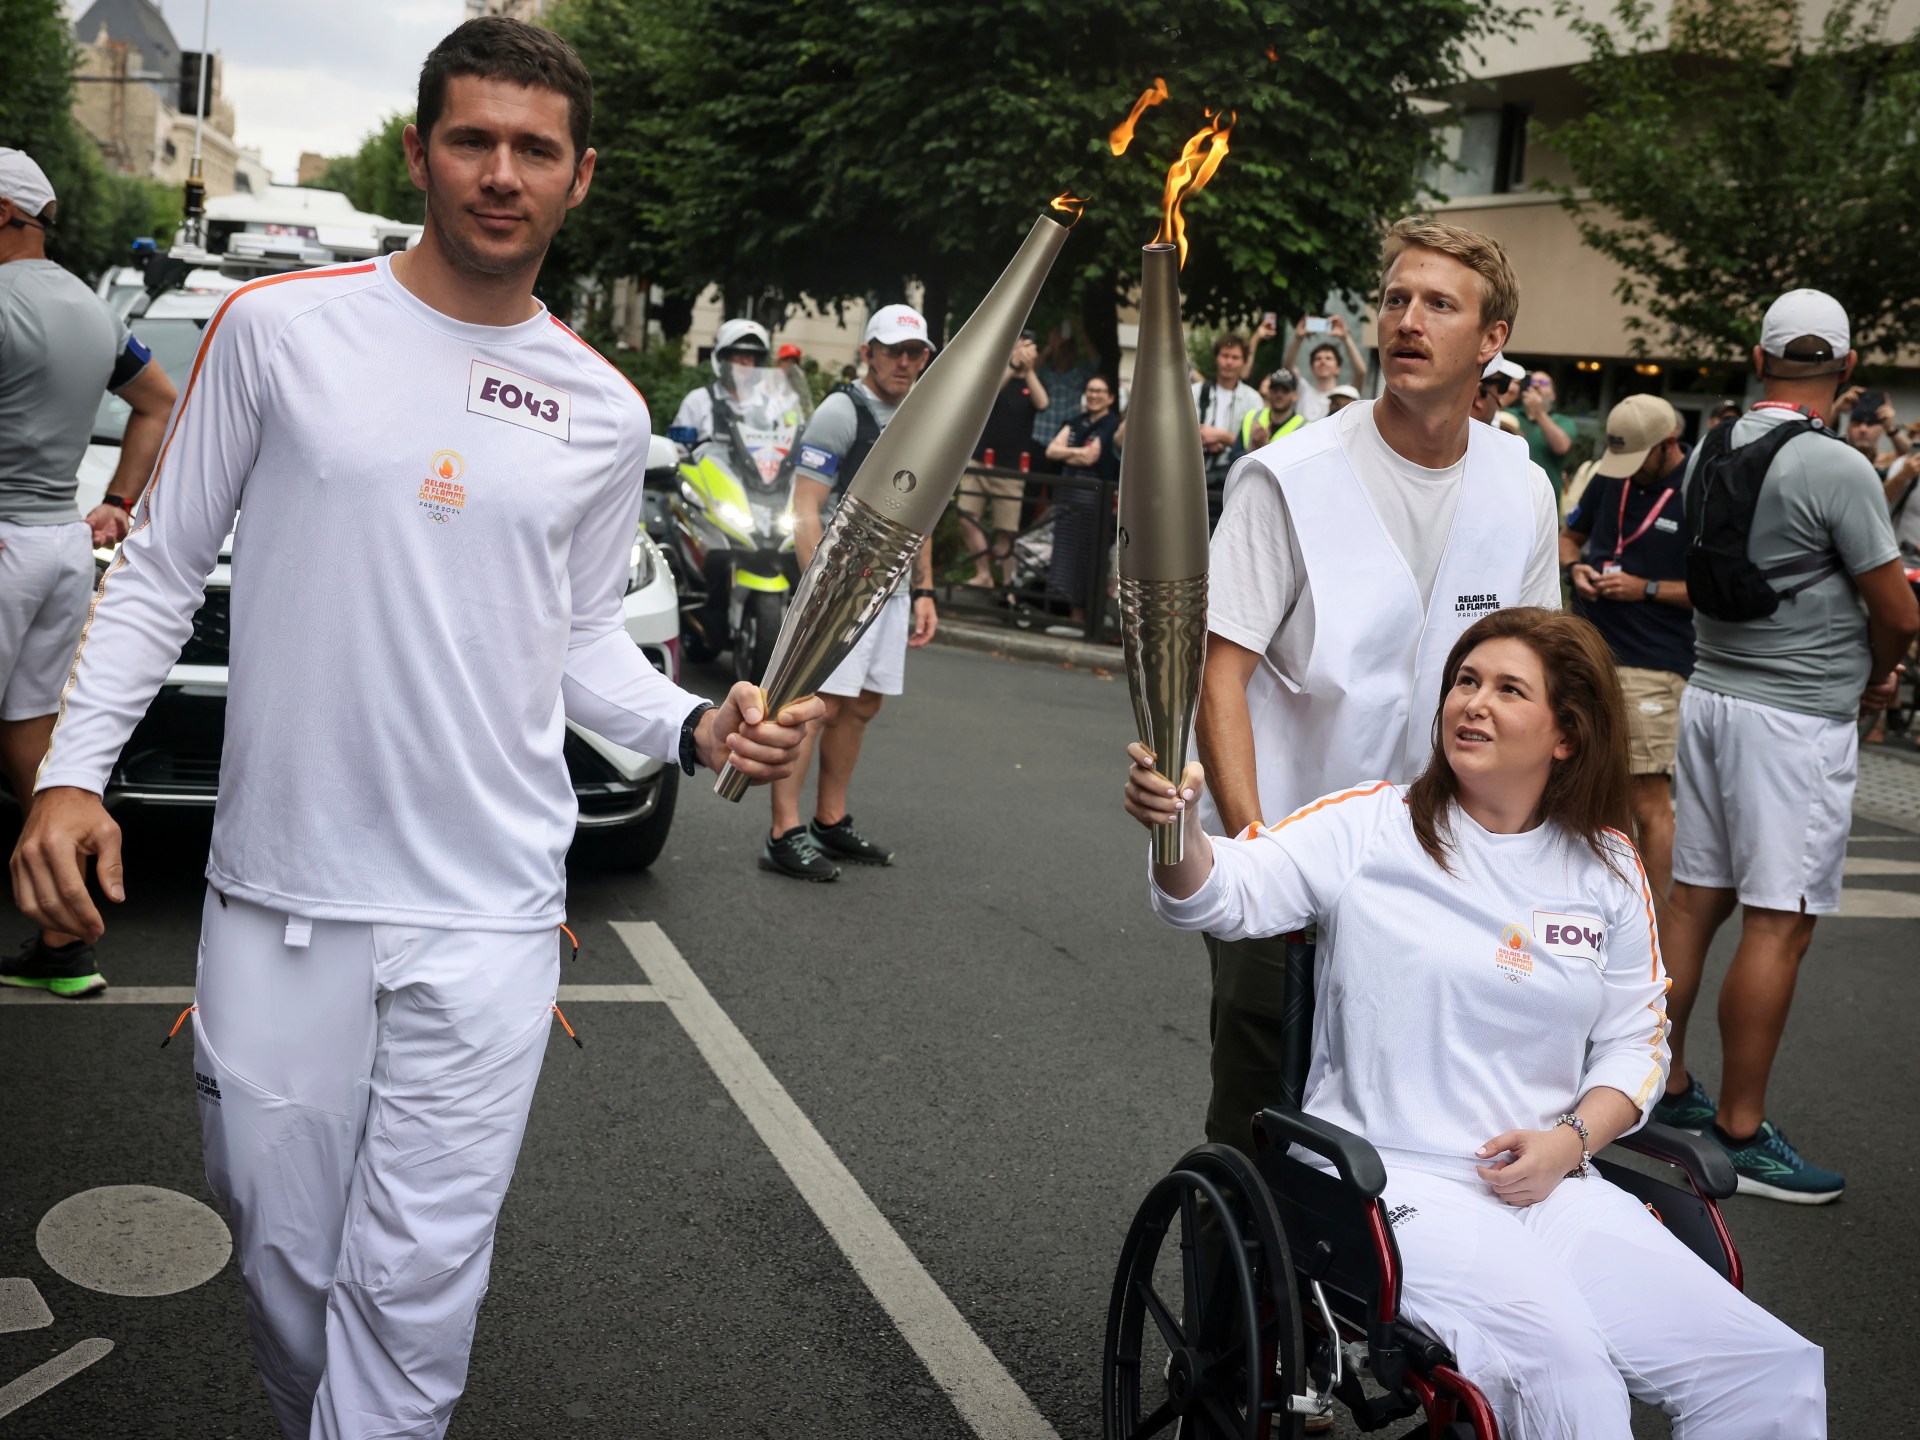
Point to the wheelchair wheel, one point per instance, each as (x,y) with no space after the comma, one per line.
(1203,1335)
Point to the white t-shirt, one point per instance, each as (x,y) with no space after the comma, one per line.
(1226,408)
(1257,595)
(1313,402)
(436,523)
(696,413)
(1450,1007)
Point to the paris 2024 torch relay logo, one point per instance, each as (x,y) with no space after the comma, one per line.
(1511,953)
(442,495)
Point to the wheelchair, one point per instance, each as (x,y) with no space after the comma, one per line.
(1285,1273)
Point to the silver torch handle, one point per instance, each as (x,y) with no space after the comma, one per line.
(1163,629)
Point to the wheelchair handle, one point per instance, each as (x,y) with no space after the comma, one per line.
(1357,1161)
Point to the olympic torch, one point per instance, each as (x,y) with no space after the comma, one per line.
(1163,500)
(902,487)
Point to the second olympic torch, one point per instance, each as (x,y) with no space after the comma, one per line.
(1163,536)
(902,487)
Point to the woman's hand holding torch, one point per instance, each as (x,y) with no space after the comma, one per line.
(1156,802)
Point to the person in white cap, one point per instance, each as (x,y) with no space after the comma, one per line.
(1624,552)
(60,347)
(896,351)
(1801,616)
(1499,386)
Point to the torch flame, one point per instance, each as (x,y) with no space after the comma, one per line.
(1071,204)
(1122,135)
(1188,175)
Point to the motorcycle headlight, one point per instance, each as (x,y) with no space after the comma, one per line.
(736,517)
(785,524)
(642,566)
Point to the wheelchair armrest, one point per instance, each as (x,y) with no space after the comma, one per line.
(1357,1161)
(1706,1164)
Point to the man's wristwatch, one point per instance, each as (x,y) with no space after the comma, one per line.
(1579,1127)
(1653,589)
(689,751)
(921,592)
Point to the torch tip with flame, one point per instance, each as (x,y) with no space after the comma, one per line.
(1070,204)
(1199,159)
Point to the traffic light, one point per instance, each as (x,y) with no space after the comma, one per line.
(193,100)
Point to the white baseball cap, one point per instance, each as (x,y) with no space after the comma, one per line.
(24,182)
(896,324)
(1500,365)
(1801,313)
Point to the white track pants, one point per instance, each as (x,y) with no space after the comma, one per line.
(362,1101)
(1560,1310)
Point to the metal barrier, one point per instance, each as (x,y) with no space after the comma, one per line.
(1024,603)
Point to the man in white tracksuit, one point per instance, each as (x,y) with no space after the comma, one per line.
(439,486)
(1349,557)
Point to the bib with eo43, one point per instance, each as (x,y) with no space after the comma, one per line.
(1722,581)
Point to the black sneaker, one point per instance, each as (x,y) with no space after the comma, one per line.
(67,972)
(843,842)
(795,854)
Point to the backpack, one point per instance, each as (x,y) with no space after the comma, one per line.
(1722,582)
(866,431)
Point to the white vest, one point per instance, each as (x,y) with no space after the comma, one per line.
(1373,678)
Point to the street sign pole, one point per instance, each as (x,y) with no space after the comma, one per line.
(196,201)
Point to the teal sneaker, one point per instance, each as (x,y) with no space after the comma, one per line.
(67,972)
(1691,1110)
(1769,1165)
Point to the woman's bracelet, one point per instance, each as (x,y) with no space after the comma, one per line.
(1579,1127)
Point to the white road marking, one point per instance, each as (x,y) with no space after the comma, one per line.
(21,1307)
(42,1378)
(959,1361)
(1875,865)
(182,995)
(134,1240)
(1879,905)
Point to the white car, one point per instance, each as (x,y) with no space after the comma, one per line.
(173,757)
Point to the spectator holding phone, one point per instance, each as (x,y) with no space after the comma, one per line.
(1323,361)
(1549,436)
(1870,421)
(1223,403)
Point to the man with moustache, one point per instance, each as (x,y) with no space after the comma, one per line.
(438,486)
(1349,556)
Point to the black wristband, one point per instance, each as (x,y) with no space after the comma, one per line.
(921,592)
(689,752)
(119,502)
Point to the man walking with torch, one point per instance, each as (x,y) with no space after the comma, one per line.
(1348,558)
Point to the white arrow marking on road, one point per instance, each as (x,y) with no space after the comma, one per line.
(957,1358)
(42,1378)
(183,995)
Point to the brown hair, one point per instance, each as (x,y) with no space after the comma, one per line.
(1589,792)
(494,47)
(1499,289)
(1230,341)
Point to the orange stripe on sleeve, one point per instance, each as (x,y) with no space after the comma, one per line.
(567,330)
(1646,896)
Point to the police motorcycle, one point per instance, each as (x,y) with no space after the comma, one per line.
(727,524)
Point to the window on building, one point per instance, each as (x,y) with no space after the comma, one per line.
(1484,153)
(170,150)
(242,183)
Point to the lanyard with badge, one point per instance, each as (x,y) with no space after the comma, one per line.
(1620,538)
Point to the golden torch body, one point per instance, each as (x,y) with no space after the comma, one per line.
(1163,536)
(902,487)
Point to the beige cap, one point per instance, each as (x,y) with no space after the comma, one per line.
(1634,427)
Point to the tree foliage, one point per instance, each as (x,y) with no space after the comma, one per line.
(99,213)
(838,151)
(375,176)
(1731,154)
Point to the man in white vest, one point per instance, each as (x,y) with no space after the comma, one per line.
(1349,557)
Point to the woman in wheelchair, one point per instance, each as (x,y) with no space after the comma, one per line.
(1490,1011)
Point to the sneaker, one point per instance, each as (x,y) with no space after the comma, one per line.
(1691,1110)
(1769,1165)
(67,972)
(795,854)
(843,842)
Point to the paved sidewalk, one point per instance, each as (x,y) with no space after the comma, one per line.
(1889,789)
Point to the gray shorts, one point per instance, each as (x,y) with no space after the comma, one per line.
(46,583)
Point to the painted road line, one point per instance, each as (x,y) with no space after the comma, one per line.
(21,1307)
(958,1360)
(42,1378)
(1877,865)
(1879,905)
(182,995)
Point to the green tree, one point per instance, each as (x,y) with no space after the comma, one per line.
(99,213)
(1730,154)
(839,151)
(375,176)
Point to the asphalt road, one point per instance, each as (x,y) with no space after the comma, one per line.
(995,1038)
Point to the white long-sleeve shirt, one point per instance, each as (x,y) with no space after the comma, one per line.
(1450,1008)
(436,522)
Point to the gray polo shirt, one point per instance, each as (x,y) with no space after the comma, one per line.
(830,435)
(1810,656)
(59,349)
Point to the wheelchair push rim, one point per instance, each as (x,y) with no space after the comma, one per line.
(1233,1337)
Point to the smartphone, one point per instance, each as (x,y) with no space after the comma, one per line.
(1318,324)
(1271,319)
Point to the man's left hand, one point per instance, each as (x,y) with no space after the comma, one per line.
(926,620)
(109,524)
(1619,585)
(760,747)
(1882,693)
(1531,402)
